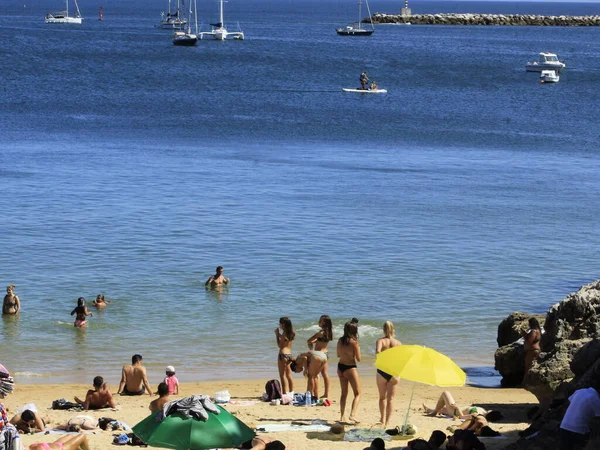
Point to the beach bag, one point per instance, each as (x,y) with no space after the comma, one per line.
(273,390)
(62,403)
(222,396)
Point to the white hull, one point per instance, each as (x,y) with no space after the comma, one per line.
(535,67)
(76,20)
(549,76)
(366,91)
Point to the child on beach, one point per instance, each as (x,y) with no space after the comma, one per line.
(284,358)
(171,380)
(82,312)
(318,342)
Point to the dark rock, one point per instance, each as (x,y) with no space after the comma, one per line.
(487,19)
(585,357)
(509,361)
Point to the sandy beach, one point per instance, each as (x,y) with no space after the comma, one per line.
(512,402)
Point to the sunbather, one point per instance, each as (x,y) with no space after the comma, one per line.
(263,443)
(447,406)
(67,442)
(28,420)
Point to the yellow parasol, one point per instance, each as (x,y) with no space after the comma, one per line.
(420,364)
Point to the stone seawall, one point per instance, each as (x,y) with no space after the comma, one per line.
(488,19)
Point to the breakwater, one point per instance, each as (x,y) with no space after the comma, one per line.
(488,19)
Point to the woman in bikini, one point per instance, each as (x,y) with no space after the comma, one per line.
(312,363)
(285,338)
(68,442)
(532,343)
(447,406)
(12,304)
(386,384)
(348,351)
(82,312)
(318,342)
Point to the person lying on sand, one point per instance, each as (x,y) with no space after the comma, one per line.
(134,380)
(98,398)
(78,423)
(27,421)
(447,406)
(263,443)
(68,442)
(163,392)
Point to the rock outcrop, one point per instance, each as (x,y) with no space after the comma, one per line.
(570,355)
(488,19)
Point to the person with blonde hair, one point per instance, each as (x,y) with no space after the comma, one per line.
(386,384)
(318,342)
(348,351)
(11,304)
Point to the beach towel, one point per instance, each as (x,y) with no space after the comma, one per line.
(315,425)
(365,435)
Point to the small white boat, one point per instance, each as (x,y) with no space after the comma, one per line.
(549,76)
(365,91)
(219,32)
(546,61)
(63,16)
(174,21)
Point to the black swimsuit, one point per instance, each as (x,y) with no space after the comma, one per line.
(343,367)
(385,375)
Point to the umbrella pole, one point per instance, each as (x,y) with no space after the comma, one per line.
(408,410)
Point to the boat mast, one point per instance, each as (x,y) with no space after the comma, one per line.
(370,16)
(67,7)
(169,10)
(196,16)
(76,6)
(359,14)
(221,15)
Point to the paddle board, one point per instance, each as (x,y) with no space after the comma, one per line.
(366,91)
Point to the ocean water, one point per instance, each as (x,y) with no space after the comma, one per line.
(130,167)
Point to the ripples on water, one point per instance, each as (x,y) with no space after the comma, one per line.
(463,195)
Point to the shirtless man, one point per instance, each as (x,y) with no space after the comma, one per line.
(217,279)
(163,392)
(134,380)
(99,397)
(28,420)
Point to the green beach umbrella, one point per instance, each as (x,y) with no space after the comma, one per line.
(220,431)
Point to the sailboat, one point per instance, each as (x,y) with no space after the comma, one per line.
(63,16)
(188,39)
(219,32)
(356,29)
(173,21)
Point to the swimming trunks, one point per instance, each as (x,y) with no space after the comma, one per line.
(284,356)
(80,323)
(140,392)
(343,367)
(385,375)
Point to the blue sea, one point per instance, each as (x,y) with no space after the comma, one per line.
(132,168)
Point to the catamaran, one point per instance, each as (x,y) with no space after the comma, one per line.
(174,21)
(219,32)
(63,16)
(356,29)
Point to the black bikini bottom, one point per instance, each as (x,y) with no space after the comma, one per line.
(343,367)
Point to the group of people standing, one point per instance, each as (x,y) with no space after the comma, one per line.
(314,362)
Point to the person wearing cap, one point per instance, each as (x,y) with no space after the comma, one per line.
(217,279)
(171,380)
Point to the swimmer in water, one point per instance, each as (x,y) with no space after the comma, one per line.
(82,312)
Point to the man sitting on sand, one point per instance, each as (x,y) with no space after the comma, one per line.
(28,420)
(134,380)
(98,398)
(217,279)
(163,392)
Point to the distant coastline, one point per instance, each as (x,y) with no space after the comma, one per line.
(487,19)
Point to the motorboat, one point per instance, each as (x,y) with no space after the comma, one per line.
(356,29)
(219,32)
(63,16)
(549,76)
(546,61)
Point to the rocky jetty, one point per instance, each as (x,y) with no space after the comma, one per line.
(570,356)
(488,19)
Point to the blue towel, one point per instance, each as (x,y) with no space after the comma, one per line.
(365,435)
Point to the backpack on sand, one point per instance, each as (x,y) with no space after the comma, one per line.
(273,390)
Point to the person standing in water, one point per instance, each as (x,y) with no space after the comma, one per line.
(386,384)
(82,312)
(284,358)
(217,279)
(11,304)
(318,342)
(348,351)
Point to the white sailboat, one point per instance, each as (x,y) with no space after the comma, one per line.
(63,16)
(188,39)
(356,29)
(174,21)
(219,32)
